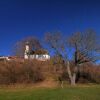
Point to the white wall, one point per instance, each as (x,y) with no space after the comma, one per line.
(39,57)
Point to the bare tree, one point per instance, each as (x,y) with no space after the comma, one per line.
(57,46)
(85,49)
(19,47)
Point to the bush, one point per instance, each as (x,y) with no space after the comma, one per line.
(89,73)
(20,72)
(36,71)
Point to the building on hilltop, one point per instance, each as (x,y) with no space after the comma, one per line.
(4,58)
(40,54)
(11,58)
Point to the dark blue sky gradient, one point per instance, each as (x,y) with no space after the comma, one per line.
(22,18)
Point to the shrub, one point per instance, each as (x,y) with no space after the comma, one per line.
(20,72)
(89,73)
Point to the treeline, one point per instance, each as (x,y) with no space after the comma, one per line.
(34,71)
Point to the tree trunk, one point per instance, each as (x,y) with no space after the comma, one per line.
(72,77)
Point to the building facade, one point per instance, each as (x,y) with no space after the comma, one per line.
(41,55)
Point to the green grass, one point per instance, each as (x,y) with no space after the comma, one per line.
(68,93)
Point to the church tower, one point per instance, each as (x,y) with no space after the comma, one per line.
(27,50)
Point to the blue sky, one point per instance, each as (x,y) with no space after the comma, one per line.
(22,18)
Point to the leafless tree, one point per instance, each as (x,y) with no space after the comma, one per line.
(19,47)
(57,45)
(85,49)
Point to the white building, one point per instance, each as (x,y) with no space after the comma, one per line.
(38,54)
(4,58)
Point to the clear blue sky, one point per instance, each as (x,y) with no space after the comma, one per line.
(22,18)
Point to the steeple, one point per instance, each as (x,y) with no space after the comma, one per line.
(27,50)
(27,47)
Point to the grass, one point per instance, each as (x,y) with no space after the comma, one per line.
(67,93)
